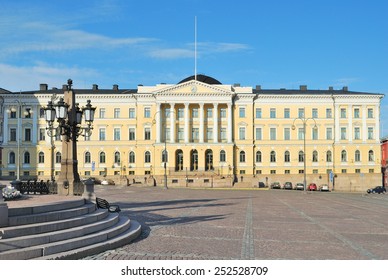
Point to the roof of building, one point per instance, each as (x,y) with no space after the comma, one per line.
(202,78)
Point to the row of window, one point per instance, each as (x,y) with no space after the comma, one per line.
(222,157)
(301,113)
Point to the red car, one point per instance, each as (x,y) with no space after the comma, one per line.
(312,187)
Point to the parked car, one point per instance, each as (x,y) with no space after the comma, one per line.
(324,188)
(287,186)
(312,187)
(275,185)
(108,182)
(378,189)
(299,186)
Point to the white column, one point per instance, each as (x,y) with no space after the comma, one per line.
(350,123)
(34,124)
(230,119)
(364,128)
(172,123)
(337,126)
(215,123)
(201,123)
(187,121)
(5,125)
(377,123)
(158,121)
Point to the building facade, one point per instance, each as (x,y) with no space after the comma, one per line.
(384,161)
(203,133)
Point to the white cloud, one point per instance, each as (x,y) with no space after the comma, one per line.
(29,77)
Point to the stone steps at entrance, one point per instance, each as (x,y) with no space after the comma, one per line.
(54,235)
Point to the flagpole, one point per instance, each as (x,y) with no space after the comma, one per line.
(195,48)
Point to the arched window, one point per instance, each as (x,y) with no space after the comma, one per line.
(344,156)
(132,157)
(12,158)
(222,156)
(328,156)
(357,156)
(58,157)
(26,157)
(258,156)
(117,157)
(41,157)
(147,157)
(371,156)
(88,157)
(301,156)
(165,156)
(273,156)
(102,157)
(242,156)
(315,156)
(286,156)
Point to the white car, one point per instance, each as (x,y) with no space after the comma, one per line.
(299,186)
(324,188)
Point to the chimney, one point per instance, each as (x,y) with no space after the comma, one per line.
(95,87)
(331,88)
(115,87)
(43,86)
(237,85)
(345,88)
(258,87)
(64,87)
(302,87)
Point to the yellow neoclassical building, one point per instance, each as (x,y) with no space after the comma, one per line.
(200,132)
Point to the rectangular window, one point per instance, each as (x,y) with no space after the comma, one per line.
(209,113)
(356,133)
(223,133)
(147,133)
(241,133)
(370,113)
(223,112)
(287,113)
(132,113)
(131,134)
(356,113)
(27,134)
(273,171)
(343,113)
(102,113)
(272,113)
(42,134)
(315,113)
(13,115)
(328,113)
(147,112)
(101,133)
(194,113)
(195,134)
(258,133)
(370,133)
(241,112)
(117,113)
(301,113)
(287,133)
(116,134)
(329,133)
(181,133)
(343,171)
(209,133)
(258,113)
(357,171)
(12,133)
(315,133)
(272,133)
(371,170)
(300,133)
(287,171)
(343,133)
(181,113)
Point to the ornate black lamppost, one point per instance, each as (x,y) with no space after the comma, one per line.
(69,117)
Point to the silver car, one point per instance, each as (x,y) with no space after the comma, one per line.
(324,188)
(299,186)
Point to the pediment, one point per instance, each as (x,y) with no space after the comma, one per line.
(194,88)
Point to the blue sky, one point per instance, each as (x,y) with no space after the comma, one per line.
(275,44)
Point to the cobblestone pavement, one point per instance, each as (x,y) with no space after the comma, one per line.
(196,224)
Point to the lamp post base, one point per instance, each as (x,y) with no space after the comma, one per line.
(3,214)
